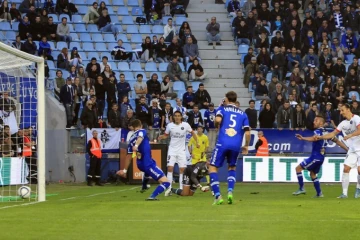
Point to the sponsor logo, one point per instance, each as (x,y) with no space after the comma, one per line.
(230,132)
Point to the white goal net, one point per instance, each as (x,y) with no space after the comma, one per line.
(22,126)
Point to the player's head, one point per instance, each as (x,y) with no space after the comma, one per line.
(136,124)
(230,97)
(319,121)
(345,111)
(95,133)
(177,117)
(260,134)
(200,130)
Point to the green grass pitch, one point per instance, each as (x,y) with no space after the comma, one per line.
(260,211)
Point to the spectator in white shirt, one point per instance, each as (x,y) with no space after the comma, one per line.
(169,31)
(104,63)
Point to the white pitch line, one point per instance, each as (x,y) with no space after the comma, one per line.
(98,194)
(19,205)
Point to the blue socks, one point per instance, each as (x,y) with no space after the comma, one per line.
(317,186)
(214,182)
(300,180)
(231,180)
(161,188)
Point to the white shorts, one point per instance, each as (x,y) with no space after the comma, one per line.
(352,159)
(180,159)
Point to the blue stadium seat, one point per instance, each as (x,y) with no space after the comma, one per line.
(129,76)
(100,46)
(132,29)
(5,26)
(172,103)
(71,28)
(112,64)
(159,75)
(145,29)
(52,45)
(88,46)
(66,74)
(179,86)
(85,37)
(123,66)
(136,11)
(52,73)
(127,20)
(351,93)
(157,29)
(109,37)
(64,16)
(111,46)
(143,73)
(182,66)
(243,49)
(51,65)
(10,35)
(82,9)
(195,85)
(132,103)
(83,56)
(150,67)
(118,3)
(163,67)
(79,2)
(123,11)
(92,28)
(80,28)
(165,19)
(15,26)
(55,53)
(110,10)
(77,18)
(127,46)
(75,37)
(180,94)
(61,45)
(202,111)
(180,20)
(349,58)
(75,44)
(136,38)
(114,19)
(257,105)
(54,16)
(133,3)
(97,37)
(37,45)
(93,55)
(123,38)
(135,66)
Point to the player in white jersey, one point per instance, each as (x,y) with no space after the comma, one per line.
(177,147)
(350,127)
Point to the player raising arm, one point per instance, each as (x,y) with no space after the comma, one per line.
(350,127)
(232,123)
(139,146)
(316,159)
(177,131)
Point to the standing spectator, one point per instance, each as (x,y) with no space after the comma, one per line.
(140,88)
(213,32)
(252,114)
(155,120)
(94,150)
(147,50)
(161,50)
(63,7)
(114,120)
(59,82)
(166,116)
(285,116)
(92,63)
(29,46)
(188,100)
(299,118)
(233,8)
(328,113)
(202,97)
(36,29)
(105,24)
(338,21)
(92,15)
(67,95)
(124,106)
(311,114)
(111,90)
(50,29)
(169,31)
(312,97)
(77,100)
(7,104)
(267,117)
(100,89)
(195,119)
(31,14)
(63,30)
(181,109)
(174,71)
(250,71)
(49,6)
(191,51)
(104,63)
(166,88)
(195,71)
(153,86)
(143,113)
(209,121)
(88,90)
(278,64)
(63,59)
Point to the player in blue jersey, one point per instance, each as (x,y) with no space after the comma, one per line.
(314,162)
(139,146)
(232,124)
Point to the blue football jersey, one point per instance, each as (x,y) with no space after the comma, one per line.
(143,158)
(156,118)
(209,118)
(319,147)
(232,127)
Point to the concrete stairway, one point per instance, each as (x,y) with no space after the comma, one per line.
(221,63)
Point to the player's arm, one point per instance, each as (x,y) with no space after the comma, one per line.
(195,138)
(354,134)
(190,145)
(308,139)
(340,143)
(166,133)
(129,157)
(246,126)
(327,136)
(218,120)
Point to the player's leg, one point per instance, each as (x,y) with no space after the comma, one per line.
(187,191)
(145,182)
(313,175)
(232,160)
(350,162)
(158,175)
(357,192)
(182,166)
(217,160)
(299,168)
(170,168)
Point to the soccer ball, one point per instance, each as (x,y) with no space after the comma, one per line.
(24,192)
(205,188)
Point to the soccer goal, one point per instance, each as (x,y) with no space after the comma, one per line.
(22,126)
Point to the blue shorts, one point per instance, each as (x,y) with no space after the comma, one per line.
(219,154)
(312,164)
(153,171)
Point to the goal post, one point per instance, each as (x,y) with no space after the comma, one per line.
(12,59)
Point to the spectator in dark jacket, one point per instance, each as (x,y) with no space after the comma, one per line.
(143,113)
(233,7)
(299,118)
(195,119)
(63,59)
(88,117)
(261,91)
(285,116)
(29,46)
(252,114)
(242,33)
(24,28)
(202,97)
(154,86)
(62,6)
(277,41)
(278,64)
(339,69)
(267,117)
(114,118)
(123,88)
(50,29)
(67,96)
(188,100)
(37,29)
(93,62)
(128,119)
(111,91)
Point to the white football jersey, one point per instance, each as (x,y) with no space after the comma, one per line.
(350,126)
(177,137)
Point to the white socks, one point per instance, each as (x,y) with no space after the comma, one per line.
(358,183)
(170,177)
(345,183)
(181,177)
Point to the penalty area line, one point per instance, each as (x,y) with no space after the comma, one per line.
(98,194)
(20,205)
